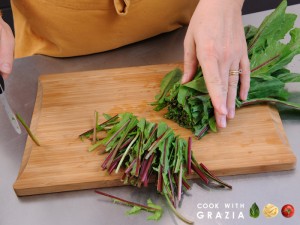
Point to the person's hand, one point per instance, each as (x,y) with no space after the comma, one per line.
(215,38)
(7,45)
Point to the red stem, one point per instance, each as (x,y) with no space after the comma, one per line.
(144,175)
(265,63)
(104,164)
(172,188)
(189,157)
(179,184)
(159,179)
(138,162)
(184,183)
(215,177)
(126,202)
(105,122)
(204,129)
(114,164)
(143,166)
(126,143)
(129,168)
(118,131)
(200,174)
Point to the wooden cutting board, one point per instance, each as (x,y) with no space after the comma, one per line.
(253,142)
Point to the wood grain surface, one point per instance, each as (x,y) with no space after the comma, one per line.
(253,142)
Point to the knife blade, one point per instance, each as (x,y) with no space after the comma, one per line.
(7,108)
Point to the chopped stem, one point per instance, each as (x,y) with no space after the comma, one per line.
(147,208)
(129,168)
(126,152)
(143,166)
(95,146)
(176,212)
(31,135)
(189,157)
(202,132)
(172,188)
(119,131)
(156,143)
(150,137)
(147,179)
(199,172)
(114,164)
(100,125)
(185,183)
(179,183)
(126,143)
(95,127)
(144,175)
(120,142)
(212,176)
(104,164)
(159,179)
(138,162)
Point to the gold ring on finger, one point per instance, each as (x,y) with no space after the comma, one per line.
(235,72)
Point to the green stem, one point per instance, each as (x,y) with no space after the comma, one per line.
(176,212)
(31,135)
(270,100)
(265,63)
(101,126)
(126,152)
(95,127)
(147,208)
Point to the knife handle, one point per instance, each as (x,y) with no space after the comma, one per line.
(1,84)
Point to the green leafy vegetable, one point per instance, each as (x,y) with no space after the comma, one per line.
(157,214)
(134,210)
(156,210)
(143,151)
(189,104)
(254,211)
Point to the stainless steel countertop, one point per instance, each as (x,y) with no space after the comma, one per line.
(85,207)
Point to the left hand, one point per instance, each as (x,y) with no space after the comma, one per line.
(7,44)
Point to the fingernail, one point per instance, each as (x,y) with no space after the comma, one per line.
(183,80)
(222,122)
(244,96)
(5,68)
(231,113)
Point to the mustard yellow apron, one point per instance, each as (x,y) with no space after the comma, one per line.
(64,28)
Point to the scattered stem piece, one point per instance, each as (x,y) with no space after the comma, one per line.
(31,135)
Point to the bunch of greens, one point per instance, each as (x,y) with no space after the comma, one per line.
(144,151)
(189,104)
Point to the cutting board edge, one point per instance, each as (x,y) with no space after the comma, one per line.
(33,127)
(27,191)
(150,68)
(279,126)
(63,187)
(285,166)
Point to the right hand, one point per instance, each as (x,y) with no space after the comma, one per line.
(216,40)
(7,45)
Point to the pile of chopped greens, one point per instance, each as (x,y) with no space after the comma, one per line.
(190,105)
(144,151)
